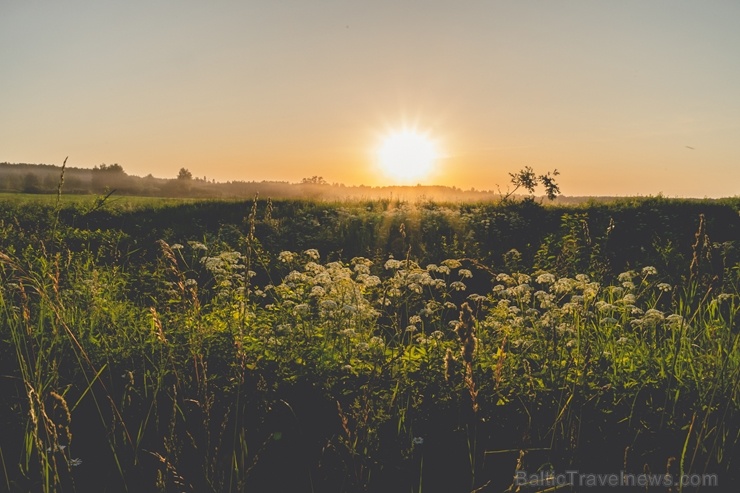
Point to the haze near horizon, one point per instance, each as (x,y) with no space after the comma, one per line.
(624,98)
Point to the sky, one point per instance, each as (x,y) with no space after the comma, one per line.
(623,97)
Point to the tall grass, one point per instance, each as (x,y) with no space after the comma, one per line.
(243,369)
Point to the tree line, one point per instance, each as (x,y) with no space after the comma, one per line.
(106,178)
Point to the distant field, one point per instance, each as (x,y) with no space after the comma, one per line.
(123,201)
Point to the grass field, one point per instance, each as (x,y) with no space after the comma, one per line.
(170,345)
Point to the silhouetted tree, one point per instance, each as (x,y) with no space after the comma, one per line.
(184,174)
(110,168)
(107,176)
(527,179)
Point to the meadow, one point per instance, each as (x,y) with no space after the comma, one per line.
(294,345)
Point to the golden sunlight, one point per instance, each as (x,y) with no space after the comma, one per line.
(407,155)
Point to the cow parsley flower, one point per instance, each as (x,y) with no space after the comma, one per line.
(649,270)
(312,253)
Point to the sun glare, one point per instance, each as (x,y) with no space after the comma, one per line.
(407,156)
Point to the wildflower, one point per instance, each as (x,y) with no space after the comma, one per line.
(411,328)
(323,278)
(649,270)
(615,291)
(312,253)
(74,462)
(565,329)
(570,307)
(286,256)
(415,319)
(452,263)
(317,291)
(629,299)
(438,284)
(563,285)
(392,263)
(465,273)
(626,276)
(664,286)
(582,278)
(413,287)
(675,320)
(196,245)
(522,292)
(604,307)
(302,309)
(176,246)
(522,278)
(591,290)
(505,278)
(394,293)
(545,278)
(417,441)
(325,305)
(361,261)
(313,267)
(370,281)
(458,286)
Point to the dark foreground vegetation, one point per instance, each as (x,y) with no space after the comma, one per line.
(149,345)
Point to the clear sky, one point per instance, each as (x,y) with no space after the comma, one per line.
(624,97)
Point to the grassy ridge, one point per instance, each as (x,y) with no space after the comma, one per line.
(213,346)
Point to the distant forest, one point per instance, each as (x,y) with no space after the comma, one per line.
(102,179)
(107,178)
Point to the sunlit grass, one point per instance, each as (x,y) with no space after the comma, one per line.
(202,367)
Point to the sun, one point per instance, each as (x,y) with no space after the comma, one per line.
(407,156)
